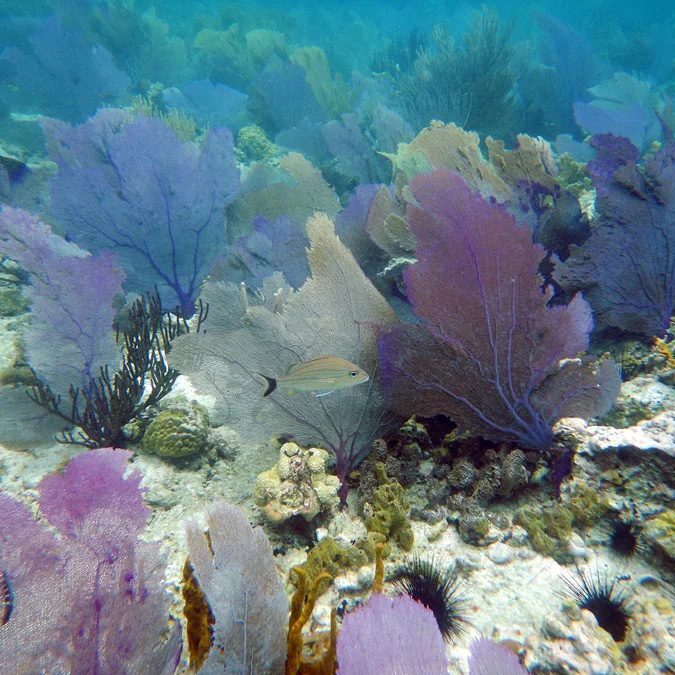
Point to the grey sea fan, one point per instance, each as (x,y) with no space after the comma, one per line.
(335,312)
(235,569)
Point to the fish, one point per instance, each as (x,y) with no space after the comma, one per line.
(321,375)
(6,598)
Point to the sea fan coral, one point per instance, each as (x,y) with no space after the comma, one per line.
(627,266)
(334,313)
(88,595)
(134,188)
(61,74)
(437,589)
(489,658)
(491,354)
(391,635)
(70,334)
(235,569)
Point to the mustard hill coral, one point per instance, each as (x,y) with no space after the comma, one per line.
(297,485)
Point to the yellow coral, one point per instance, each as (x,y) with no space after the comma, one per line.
(297,485)
(666,350)
(302,606)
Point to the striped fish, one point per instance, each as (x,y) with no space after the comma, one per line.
(321,375)
(6,598)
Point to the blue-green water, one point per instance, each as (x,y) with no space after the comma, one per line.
(391,282)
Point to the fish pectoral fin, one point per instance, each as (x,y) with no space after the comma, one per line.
(291,392)
(324,393)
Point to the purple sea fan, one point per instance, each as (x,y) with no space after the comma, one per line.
(490,658)
(272,246)
(88,595)
(626,268)
(491,353)
(70,334)
(135,188)
(391,636)
(60,74)
(93,481)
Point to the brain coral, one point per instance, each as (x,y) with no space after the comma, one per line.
(177,433)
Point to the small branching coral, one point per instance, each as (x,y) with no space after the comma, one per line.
(107,402)
(399,55)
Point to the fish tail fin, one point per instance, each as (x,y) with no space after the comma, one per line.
(271,384)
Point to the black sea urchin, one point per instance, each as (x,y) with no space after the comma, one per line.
(437,589)
(603,598)
(624,537)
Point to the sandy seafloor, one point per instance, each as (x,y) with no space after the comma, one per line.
(512,591)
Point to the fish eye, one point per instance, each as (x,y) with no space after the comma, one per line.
(353,373)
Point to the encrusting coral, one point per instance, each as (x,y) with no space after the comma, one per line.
(473,479)
(660,533)
(331,557)
(297,485)
(550,527)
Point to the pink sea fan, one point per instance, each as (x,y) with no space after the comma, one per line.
(490,658)
(88,592)
(391,636)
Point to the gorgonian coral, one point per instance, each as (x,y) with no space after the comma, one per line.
(490,353)
(133,187)
(626,268)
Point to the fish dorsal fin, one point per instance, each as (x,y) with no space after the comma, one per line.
(310,362)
